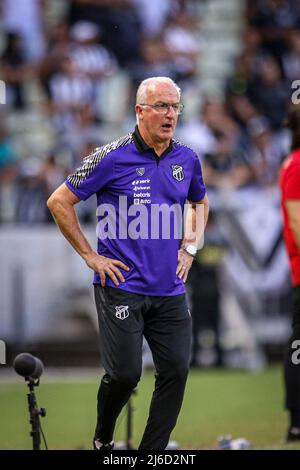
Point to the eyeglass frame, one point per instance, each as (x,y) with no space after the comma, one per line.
(166,109)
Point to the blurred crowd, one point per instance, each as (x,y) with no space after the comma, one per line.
(242,138)
(86,61)
(86,64)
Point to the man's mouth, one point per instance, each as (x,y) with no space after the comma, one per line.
(167,126)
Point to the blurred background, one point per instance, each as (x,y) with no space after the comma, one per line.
(71,69)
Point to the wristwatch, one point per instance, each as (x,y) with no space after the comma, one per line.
(190,249)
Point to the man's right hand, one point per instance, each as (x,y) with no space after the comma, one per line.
(106,267)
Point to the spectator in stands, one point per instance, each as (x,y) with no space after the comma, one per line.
(7,154)
(238,87)
(274,18)
(15,70)
(84,130)
(247,64)
(8,171)
(291,58)
(266,152)
(88,56)
(183,44)
(270,92)
(200,132)
(30,192)
(155,62)
(53,174)
(26,18)
(226,168)
(36,180)
(118,21)
(153,15)
(70,93)
(252,41)
(59,46)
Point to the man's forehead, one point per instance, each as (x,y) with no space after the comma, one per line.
(162,92)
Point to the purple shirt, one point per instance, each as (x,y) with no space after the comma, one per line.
(129,169)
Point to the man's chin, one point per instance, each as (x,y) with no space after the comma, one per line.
(166,135)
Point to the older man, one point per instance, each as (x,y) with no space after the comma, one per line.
(140,267)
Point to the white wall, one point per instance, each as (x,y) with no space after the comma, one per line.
(38,269)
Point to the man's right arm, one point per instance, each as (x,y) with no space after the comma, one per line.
(61,204)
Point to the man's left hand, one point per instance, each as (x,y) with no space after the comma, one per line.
(184,264)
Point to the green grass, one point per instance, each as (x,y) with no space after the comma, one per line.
(216,402)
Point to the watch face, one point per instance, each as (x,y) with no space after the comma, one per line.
(191,249)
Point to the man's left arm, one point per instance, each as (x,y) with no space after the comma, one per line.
(195,223)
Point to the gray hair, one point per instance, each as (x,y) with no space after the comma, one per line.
(141,94)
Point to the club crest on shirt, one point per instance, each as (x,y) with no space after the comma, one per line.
(122,312)
(140,171)
(177,172)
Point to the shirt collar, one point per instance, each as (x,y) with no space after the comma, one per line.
(143,147)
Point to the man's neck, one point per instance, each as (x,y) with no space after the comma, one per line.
(159,147)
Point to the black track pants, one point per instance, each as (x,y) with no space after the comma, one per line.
(166,324)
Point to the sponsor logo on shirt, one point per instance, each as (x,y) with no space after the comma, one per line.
(136,202)
(139,188)
(141,194)
(141,181)
(143,197)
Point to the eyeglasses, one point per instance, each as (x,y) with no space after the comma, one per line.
(163,108)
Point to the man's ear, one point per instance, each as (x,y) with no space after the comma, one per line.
(139,111)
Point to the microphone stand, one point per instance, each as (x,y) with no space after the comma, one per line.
(34,413)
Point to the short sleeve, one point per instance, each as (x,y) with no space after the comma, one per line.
(197,188)
(96,171)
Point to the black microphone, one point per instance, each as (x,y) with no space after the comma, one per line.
(28,366)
